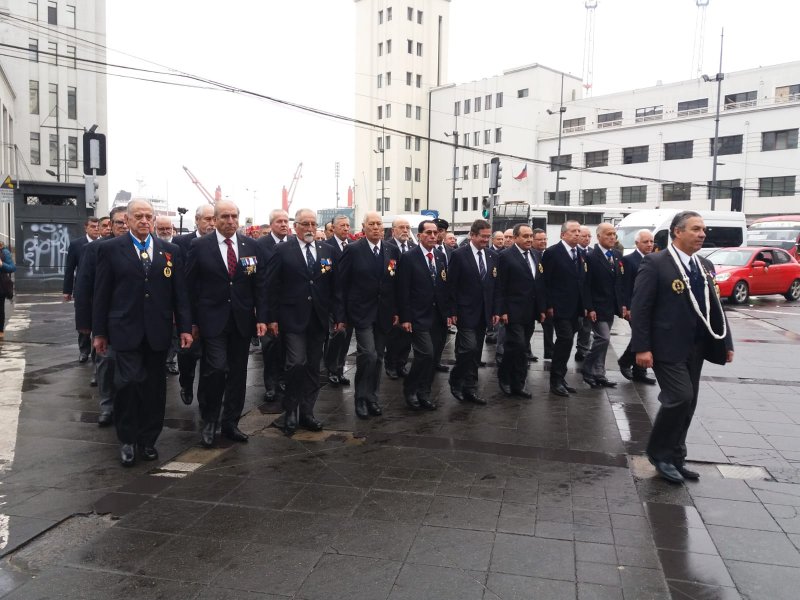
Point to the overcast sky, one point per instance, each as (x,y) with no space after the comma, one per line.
(303,51)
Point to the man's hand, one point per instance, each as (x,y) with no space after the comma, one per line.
(453,320)
(261,329)
(645,359)
(195,332)
(406,326)
(272,329)
(542,317)
(100,344)
(729,356)
(496,320)
(186,340)
(339,327)
(592,315)
(626,314)
(549,312)
(67,297)
(395,320)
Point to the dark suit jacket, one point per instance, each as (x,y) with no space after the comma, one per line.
(131,306)
(663,320)
(294,295)
(410,245)
(420,297)
(605,285)
(337,251)
(519,293)
(184,241)
(366,293)
(631,264)
(564,284)
(472,298)
(84,284)
(215,297)
(74,253)
(447,250)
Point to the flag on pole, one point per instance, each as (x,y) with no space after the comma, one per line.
(523,174)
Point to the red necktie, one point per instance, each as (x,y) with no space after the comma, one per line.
(231,258)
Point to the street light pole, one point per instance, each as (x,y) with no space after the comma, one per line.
(718,78)
(454,134)
(561,110)
(383,176)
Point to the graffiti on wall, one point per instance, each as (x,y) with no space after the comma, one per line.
(44,249)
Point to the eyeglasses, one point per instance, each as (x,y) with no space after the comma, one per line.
(118,222)
(306,223)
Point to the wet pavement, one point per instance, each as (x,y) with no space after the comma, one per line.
(542,498)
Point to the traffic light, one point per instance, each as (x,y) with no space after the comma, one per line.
(487,207)
(92,197)
(495,174)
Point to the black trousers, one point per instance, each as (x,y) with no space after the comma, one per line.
(140,382)
(427,345)
(303,355)
(398,348)
(84,343)
(469,347)
(370,343)
(548,331)
(187,364)
(628,359)
(336,350)
(679,383)
(514,368)
(565,334)
(274,357)
(223,374)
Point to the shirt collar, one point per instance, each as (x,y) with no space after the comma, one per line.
(221,238)
(474,249)
(89,239)
(521,251)
(373,246)
(640,252)
(276,238)
(568,247)
(685,258)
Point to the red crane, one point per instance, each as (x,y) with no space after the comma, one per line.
(211,199)
(287,196)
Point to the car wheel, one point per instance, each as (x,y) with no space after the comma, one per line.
(794,291)
(740,293)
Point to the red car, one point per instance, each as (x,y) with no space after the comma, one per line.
(755,271)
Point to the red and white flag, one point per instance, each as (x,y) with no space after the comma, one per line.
(523,174)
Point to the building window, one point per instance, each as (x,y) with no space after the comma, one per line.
(419,81)
(485,170)
(389,78)
(418,113)
(53,98)
(388,46)
(598,158)
(635,154)
(386,174)
(487,136)
(633,194)
(612,119)
(487,102)
(416,204)
(779,140)
(474,203)
(408,142)
(498,100)
(407,204)
(52,12)
(389,14)
(561,200)
(456,171)
(380,22)
(380,48)
(380,143)
(380,112)
(410,46)
(380,80)
(692,107)
(409,77)
(408,174)
(478,104)
(561,163)
(475,171)
(776,186)
(72,103)
(787,93)
(419,48)
(740,100)
(417,175)
(675,192)
(380,174)
(72,57)
(523,93)
(52,53)
(72,152)
(465,176)
(498,135)
(408,111)
(467,106)
(71,20)
(36,157)
(649,113)
(417,143)
(466,140)
(33,50)
(455,204)
(678,150)
(419,17)
(54,150)
(388,111)
(729,144)
(34,97)
(476,138)
(465,204)
(410,15)
(388,142)
(724,187)
(570,125)
(597,196)
(457,109)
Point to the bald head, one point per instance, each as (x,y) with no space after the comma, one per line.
(227,215)
(373,226)
(606,235)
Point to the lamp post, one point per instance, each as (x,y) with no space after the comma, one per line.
(383,176)
(561,110)
(454,135)
(718,78)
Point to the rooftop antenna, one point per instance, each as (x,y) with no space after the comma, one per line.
(588,47)
(699,39)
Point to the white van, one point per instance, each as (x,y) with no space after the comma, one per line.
(413,220)
(723,229)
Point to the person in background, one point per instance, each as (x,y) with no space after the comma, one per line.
(537,250)
(165,232)
(508,238)
(319,236)
(76,248)
(104,226)
(450,240)
(584,340)
(328,230)
(398,342)
(265,229)
(6,266)
(338,342)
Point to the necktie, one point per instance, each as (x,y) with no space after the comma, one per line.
(527,262)
(231,258)
(481,265)
(310,259)
(696,281)
(375,251)
(610,256)
(431,265)
(143,255)
(344,243)
(403,247)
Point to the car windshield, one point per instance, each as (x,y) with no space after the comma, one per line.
(730,258)
(627,235)
(777,238)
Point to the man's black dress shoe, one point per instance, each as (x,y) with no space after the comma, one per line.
(668,471)
(93,381)
(333,379)
(83,358)
(343,380)
(644,379)
(402,371)
(187,395)
(289,423)
(235,434)
(269,395)
(687,473)
(207,434)
(592,382)
(391,373)
(361,408)
(374,408)
(559,390)
(522,393)
(532,358)
(474,398)
(310,422)
(127,455)
(579,356)
(426,404)
(504,387)
(482,363)
(627,372)
(105,420)
(412,402)
(605,382)
(172,369)
(442,368)
(148,453)
(569,388)
(457,394)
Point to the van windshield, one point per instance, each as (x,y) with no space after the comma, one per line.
(627,235)
(778,237)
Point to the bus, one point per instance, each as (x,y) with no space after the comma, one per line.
(780,231)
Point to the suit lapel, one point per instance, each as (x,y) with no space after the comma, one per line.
(130,251)
(525,266)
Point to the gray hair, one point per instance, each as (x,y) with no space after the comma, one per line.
(679,221)
(370,213)
(300,211)
(565,225)
(278,212)
(135,201)
(216,207)
(639,233)
(198,214)
(339,218)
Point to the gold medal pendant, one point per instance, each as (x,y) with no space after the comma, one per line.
(145,255)
(167,272)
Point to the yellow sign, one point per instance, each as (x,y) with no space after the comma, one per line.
(8,183)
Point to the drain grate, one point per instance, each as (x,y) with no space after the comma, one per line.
(743,472)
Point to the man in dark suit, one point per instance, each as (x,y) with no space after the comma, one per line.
(605,300)
(520,304)
(644,246)
(74,253)
(678,323)
(300,277)
(139,293)
(398,343)
(583,340)
(423,302)
(365,300)
(471,277)
(227,288)
(204,222)
(272,351)
(339,339)
(563,271)
(537,250)
(441,231)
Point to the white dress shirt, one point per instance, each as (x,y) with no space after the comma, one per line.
(529,259)
(223,248)
(303,250)
(475,256)
(570,248)
(373,246)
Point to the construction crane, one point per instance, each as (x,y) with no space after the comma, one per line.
(287,196)
(211,199)
(588,47)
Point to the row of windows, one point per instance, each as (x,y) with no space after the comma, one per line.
(409,14)
(52,13)
(53,105)
(385,143)
(55,155)
(409,46)
(463,172)
(472,140)
(410,79)
(384,174)
(465,203)
(51,56)
(479,102)
(386,112)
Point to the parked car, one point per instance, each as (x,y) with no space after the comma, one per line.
(755,271)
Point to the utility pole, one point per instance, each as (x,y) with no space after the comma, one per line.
(337,184)
(454,134)
(561,110)
(718,78)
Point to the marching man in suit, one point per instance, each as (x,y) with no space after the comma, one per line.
(74,254)
(139,291)
(227,286)
(471,277)
(678,323)
(339,340)
(644,246)
(365,300)
(300,277)
(398,343)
